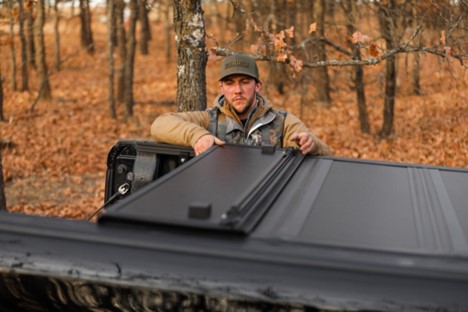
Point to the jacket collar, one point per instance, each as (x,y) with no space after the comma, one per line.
(261,110)
(260,116)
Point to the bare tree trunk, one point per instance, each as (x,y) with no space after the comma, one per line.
(322,80)
(87,41)
(110,43)
(350,8)
(113,30)
(24,57)
(129,62)
(57,58)
(12,47)
(239,18)
(361,95)
(311,13)
(167,14)
(416,76)
(331,9)
(2,118)
(122,44)
(256,15)
(292,12)
(229,7)
(278,75)
(389,101)
(145,31)
(42,71)
(302,19)
(3,205)
(191,55)
(31,51)
(387,24)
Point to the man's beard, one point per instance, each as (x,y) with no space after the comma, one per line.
(246,108)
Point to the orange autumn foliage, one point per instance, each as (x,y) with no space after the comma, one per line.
(57,162)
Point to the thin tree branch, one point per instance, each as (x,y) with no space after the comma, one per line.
(336,47)
(365,62)
(413,35)
(449,32)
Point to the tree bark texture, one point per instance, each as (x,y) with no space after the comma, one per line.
(3,205)
(416,76)
(278,75)
(130,60)
(31,50)
(12,47)
(113,30)
(24,47)
(2,118)
(322,80)
(191,55)
(350,9)
(122,45)
(87,41)
(389,100)
(292,13)
(145,31)
(57,58)
(387,21)
(167,14)
(42,71)
(110,45)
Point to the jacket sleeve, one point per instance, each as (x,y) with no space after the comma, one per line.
(180,128)
(292,125)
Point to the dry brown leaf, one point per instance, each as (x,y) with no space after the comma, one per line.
(443,39)
(290,32)
(358,37)
(282,57)
(312,28)
(373,50)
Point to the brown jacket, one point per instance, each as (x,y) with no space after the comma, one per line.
(186,128)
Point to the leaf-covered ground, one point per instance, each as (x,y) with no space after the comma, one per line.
(55,161)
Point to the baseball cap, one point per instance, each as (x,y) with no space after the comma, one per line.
(239,64)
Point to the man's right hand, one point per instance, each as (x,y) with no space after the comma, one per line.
(205,142)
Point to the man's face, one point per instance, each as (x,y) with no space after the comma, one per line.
(240,91)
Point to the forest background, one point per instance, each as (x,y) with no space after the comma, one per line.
(375,80)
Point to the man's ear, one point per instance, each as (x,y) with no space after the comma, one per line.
(258,86)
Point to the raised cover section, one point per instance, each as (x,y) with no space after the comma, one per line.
(228,188)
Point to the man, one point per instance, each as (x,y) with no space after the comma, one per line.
(240,115)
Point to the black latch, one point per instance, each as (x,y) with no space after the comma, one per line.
(268,148)
(199,211)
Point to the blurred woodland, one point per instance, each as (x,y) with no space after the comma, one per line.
(383,80)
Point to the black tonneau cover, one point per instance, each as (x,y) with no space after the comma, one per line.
(261,226)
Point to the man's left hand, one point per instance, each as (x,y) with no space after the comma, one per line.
(304,140)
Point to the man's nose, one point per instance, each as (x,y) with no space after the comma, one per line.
(237,87)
